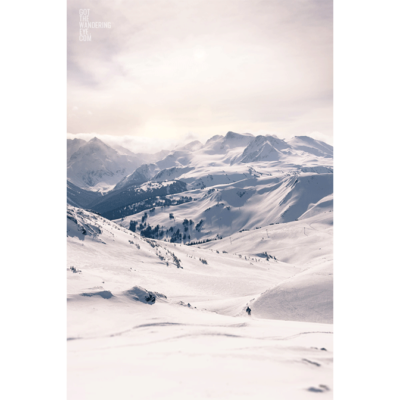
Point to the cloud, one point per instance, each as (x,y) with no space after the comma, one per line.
(167,68)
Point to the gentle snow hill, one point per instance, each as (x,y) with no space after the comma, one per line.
(129,320)
(113,260)
(106,252)
(307,244)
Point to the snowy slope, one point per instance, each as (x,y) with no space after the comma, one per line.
(264,148)
(129,320)
(73,145)
(258,215)
(307,245)
(130,199)
(97,166)
(78,197)
(253,200)
(267,174)
(141,175)
(312,146)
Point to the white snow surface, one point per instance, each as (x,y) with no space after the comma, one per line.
(132,333)
(153,319)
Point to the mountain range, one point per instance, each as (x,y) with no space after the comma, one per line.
(239,180)
(209,263)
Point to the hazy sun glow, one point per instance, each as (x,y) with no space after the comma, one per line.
(202,67)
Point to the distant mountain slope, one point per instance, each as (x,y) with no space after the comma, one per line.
(97,166)
(78,197)
(125,201)
(221,144)
(312,146)
(224,209)
(264,148)
(73,145)
(141,175)
(270,148)
(259,180)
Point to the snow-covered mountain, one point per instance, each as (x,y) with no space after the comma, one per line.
(79,197)
(127,201)
(73,145)
(165,268)
(264,148)
(97,166)
(141,175)
(227,208)
(312,146)
(241,181)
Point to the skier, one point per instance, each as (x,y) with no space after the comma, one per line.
(248,310)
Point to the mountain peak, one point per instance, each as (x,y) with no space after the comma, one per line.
(234,135)
(99,144)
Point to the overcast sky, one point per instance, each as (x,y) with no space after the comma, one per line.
(173,69)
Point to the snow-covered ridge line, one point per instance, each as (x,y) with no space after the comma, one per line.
(94,165)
